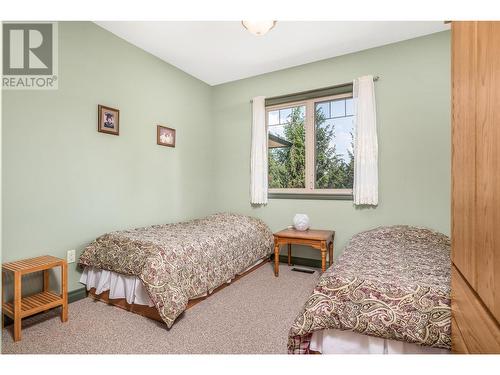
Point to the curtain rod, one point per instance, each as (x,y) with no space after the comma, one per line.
(375,79)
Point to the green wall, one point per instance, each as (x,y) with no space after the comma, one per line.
(64,183)
(413,111)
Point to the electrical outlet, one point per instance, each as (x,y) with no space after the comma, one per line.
(71,256)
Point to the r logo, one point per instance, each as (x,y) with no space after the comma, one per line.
(28,49)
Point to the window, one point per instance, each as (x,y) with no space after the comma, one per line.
(287,152)
(311,146)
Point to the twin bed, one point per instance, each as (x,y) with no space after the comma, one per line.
(389,292)
(175,263)
(392,286)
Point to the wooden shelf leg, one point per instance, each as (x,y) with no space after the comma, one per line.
(276,259)
(46,282)
(17,306)
(289,254)
(3,297)
(64,291)
(46,285)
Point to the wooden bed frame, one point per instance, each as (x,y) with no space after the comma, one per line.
(151,312)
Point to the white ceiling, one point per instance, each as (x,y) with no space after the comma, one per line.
(223,51)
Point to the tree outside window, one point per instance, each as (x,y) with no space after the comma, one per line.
(332,132)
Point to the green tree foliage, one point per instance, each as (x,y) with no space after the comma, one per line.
(287,164)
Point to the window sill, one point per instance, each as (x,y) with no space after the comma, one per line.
(312,196)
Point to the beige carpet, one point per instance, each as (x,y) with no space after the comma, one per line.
(253,315)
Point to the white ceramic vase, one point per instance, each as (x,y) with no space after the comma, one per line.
(301,222)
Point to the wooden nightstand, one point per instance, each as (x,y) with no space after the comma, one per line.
(318,239)
(22,307)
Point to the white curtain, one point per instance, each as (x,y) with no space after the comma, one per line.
(258,158)
(365,188)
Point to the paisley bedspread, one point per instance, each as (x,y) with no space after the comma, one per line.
(179,261)
(390,282)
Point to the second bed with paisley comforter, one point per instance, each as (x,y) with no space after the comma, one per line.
(390,282)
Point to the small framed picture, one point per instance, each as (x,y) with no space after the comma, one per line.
(108,120)
(165,136)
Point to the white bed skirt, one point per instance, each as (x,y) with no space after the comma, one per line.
(334,341)
(119,286)
(124,286)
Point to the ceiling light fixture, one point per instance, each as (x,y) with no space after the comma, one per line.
(258,27)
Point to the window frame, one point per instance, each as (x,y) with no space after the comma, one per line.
(309,191)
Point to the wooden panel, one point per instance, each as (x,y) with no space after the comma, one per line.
(457,341)
(474,329)
(476,187)
(316,244)
(463,147)
(311,234)
(487,240)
